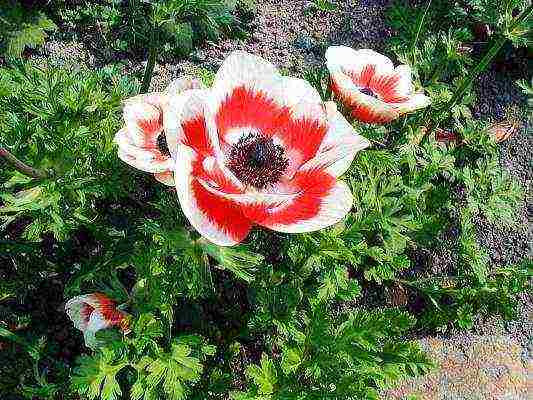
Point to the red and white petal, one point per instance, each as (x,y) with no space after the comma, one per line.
(148,159)
(79,312)
(172,109)
(395,87)
(217,176)
(166,178)
(217,219)
(415,102)
(339,147)
(185,121)
(97,322)
(307,126)
(371,110)
(364,108)
(321,202)
(360,65)
(241,70)
(274,196)
(184,111)
(144,120)
(249,94)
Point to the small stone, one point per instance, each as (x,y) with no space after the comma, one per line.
(306,43)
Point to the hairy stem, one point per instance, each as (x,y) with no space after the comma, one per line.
(21,167)
(152,58)
(149,71)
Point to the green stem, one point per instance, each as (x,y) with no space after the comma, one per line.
(421,23)
(150,65)
(480,67)
(21,167)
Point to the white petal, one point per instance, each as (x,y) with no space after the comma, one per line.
(243,69)
(416,102)
(303,100)
(333,208)
(74,309)
(342,58)
(341,143)
(405,84)
(145,159)
(97,322)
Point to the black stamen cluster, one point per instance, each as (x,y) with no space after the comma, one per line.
(162,144)
(257,161)
(368,92)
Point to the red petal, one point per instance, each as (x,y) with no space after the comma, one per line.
(108,309)
(222,213)
(196,135)
(363,78)
(245,108)
(313,186)
(385,87)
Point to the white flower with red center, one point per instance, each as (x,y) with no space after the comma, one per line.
(93,312)
(370,86)
(259,148)
(142,142)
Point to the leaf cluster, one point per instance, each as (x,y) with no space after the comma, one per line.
(22,28)
(175,27)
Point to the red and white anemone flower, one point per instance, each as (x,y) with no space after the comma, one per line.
(259,148)
(142,142)
(370,86)
(93,312)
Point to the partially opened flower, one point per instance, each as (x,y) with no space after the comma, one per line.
(93,312)
(370,86)
(142,141)
(259,148)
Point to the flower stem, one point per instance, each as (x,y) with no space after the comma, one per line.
(150,64)
(21,167)
(480,67)
(421,23)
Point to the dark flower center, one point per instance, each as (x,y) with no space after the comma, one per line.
(368,92)
(162,144)
(257,161)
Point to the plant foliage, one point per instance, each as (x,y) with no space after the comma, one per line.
(323,315)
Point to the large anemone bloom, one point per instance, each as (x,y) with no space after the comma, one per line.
(93,312)
(370,86)
(142,142)
(259,148)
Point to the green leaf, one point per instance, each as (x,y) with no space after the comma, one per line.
(264,376)
(291,360)
(95,377)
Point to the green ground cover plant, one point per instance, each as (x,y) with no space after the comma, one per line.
(329,314)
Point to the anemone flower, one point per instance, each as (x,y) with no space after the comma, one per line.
(259,148)
(370,86)
(93,312)
(142,142)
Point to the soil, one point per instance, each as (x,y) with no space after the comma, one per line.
(293,35)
